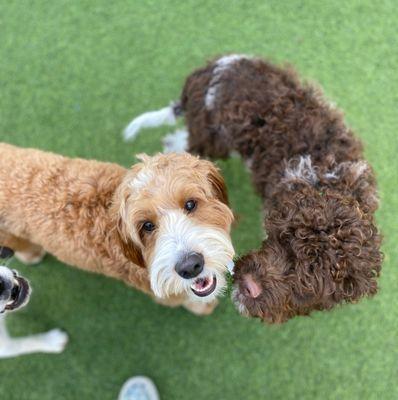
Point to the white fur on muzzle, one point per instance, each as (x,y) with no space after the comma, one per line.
(179,235)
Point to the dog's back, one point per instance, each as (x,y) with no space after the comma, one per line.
(58,203)
(248,105)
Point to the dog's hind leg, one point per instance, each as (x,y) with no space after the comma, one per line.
(176,142)
(25,251)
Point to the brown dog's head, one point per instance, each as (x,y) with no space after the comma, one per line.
(173,218)
(322,246)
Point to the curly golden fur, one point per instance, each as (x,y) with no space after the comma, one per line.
(90,214)
(322,246)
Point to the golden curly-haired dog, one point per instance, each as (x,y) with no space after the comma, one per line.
(162,226)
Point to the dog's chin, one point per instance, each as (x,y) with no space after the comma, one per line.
(238,301)
(19,294)
(245,305)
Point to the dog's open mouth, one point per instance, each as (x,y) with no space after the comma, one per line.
(19,293)
(202,287)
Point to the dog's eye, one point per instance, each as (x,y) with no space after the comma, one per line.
(190,205)
(148,226)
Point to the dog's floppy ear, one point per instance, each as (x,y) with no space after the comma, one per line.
(218,184)
(130,249)
(119,210)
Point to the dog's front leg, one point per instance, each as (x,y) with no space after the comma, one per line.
(53,341)
(199,308)
(3,330)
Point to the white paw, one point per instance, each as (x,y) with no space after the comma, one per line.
(55,341)
(29,258)
(176,142)
(199,308)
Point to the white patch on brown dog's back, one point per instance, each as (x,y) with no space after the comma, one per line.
(358,168)
(221,65)
(331,175)
(304,171)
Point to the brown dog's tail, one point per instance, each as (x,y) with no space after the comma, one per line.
(164,116)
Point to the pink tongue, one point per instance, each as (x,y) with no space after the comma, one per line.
(201,283)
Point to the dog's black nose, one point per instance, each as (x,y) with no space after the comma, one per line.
(190,265)
(6,252)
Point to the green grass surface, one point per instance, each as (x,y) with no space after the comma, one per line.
(73,73)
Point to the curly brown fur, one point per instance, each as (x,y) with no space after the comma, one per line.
(322,246)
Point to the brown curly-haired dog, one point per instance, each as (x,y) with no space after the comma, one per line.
(162,226)
(322,246)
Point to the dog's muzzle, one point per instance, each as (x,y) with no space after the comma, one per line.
(189,267)
(19,291)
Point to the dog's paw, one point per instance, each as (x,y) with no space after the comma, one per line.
(198,308)
(55,341)
(30,257)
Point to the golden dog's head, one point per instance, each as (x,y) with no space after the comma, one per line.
(174,219)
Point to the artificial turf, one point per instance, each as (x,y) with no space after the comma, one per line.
(72,74)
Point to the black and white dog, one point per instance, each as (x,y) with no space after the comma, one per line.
(14,294)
